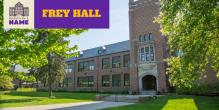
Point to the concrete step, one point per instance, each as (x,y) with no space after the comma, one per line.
(121,99)
(148,93)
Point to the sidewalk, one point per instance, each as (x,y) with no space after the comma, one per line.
(72,106)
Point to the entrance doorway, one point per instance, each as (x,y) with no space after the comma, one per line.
(149,83)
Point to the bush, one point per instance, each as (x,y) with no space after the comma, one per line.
(63,90)
(25,89)
(201,89)
(52,97)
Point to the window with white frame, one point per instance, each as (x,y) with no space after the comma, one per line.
(146,53)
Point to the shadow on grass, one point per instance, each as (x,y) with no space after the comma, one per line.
(20,100)
(58,95)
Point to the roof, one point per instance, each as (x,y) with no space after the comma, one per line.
(19,68)
(110,49)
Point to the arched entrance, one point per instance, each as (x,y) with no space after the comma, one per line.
(149,83)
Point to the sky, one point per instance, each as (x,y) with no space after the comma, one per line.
(118,31)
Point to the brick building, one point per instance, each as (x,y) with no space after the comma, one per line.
(136,64)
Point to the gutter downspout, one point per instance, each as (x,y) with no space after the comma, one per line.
(74,77)
(97,72)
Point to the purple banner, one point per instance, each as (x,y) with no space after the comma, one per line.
(71,14)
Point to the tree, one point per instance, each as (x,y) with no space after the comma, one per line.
(192,27)
(53,71)
(16,47)
(5,82)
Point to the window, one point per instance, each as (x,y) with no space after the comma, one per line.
(100,51)
(105,63)
(140,38)
(86,81)
(105,81)
(116,62)
(69,70)
(145,37)
(117,80)
(142,54)
(150,36)
(47,84)
(146,54)
(126,60)
(66,83)
(126,80)
(86,66)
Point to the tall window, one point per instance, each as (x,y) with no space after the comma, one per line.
(66,83)
(126,80)
(105,81)
(106,63)
(86,66)
(146,54)
(69,70)
(126,60)
(145,37)
(116,62)
(86,81)
(150,36)
(142,54)
(140,38)
(117,80)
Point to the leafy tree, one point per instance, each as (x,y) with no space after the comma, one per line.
(16,47)
(106,66)
(192,27)
(53,71)
(5,82)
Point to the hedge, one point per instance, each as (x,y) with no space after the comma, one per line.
(201,89)
(25,89)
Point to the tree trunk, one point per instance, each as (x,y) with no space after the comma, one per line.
(50,77)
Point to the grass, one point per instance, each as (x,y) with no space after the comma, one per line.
(174,102)
(19,99)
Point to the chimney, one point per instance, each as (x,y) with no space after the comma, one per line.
(131,1)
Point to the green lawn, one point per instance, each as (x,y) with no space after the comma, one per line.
(174,102)
(19,99)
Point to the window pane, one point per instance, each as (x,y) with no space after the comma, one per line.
(127,60)
(116,62)
(106,63)
(142,50)
(80,82)
(105,81)
(151,49)
(147,56)
(85,83)
(140,38)
(91,82)
(86,66)
(80,67)
(150,36)
(65,81)
(69,68)
(127,80)
(91,65)
(69,82)
(117,80)
(147,49)
(152,56)
(142,57)
(145,37)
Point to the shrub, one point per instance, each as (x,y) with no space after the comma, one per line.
(52,97)
(25,89)
(63,90)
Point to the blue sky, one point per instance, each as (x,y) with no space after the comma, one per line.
(118,31)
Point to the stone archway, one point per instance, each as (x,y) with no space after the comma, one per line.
(149,82)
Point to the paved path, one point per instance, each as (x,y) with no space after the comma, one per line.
(72,106)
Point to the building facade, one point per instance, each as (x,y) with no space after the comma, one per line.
(135,65)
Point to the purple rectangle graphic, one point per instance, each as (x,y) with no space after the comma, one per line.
(71,14)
